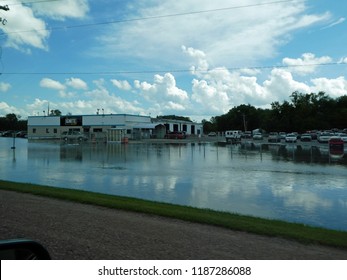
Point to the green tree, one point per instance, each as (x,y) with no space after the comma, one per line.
(55,112)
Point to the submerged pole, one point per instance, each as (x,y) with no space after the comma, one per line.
(14,141)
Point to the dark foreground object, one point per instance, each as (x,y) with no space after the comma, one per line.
(22,249)
(71,230)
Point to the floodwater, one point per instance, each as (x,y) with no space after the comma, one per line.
(296,184)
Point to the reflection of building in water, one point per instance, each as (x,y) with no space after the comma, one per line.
(111,128)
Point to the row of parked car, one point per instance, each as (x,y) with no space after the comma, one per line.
(320,136)
(12,133)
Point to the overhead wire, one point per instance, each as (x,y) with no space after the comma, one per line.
(149,17)
(117,72)
(157,17)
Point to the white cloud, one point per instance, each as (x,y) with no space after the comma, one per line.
(101,97)
(20,21)
(51,84)
(4,86)
(199,58)
(337,22)
(76,83)
(333,87)
(123,85)
(60,10)
(5,108)
(163,95)
(27,23)
(307,64)
(163,89)
(226,36)
(281,84)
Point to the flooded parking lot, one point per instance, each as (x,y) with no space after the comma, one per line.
(287,182)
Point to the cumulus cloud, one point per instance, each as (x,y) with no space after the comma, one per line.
(22,20)
(51,84)
(213,90)
(4,86)
(123,85)
(59,10)
(28,26)
(281,84)
(334,87)
(306,64)
(77,83)
(163,93)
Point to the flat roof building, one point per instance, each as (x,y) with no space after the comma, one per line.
(106,127)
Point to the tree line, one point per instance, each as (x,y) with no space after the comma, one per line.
(304,112)
(13,122)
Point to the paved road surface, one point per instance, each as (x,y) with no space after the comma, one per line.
(77,231)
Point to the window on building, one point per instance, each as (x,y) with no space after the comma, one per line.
(34,130)
(55,131)
(47,130)
(97,129)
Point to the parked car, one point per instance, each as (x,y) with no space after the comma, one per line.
(258,136)
(291,138)
(306,137)
(22,134)
(325,137)
(8,133)
(73,135)
(283,135)
(274,137)
(343,137)
(247,135)
(175,135)
(212,134)
(233,136)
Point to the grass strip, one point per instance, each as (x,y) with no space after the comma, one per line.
(274,228)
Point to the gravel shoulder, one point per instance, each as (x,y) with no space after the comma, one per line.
(77,231)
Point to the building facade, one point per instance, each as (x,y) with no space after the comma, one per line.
(110,127)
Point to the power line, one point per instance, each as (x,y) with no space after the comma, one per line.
(118,72)
(152,17)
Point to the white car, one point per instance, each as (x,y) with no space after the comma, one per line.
(325,137)
(257,136)
(343,136)
(291,138)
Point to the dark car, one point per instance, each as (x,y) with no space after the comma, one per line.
(274,137)
(175,135)
(22,134)
(306,137)
(8,133)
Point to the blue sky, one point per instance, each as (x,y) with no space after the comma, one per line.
(196,58)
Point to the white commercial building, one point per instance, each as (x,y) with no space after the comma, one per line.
(110,127)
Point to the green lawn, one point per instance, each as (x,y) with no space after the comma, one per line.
(294,231)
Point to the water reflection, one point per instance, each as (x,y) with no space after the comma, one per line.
(283,182)
(306,153)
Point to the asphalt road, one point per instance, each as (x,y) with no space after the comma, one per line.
(77,231)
